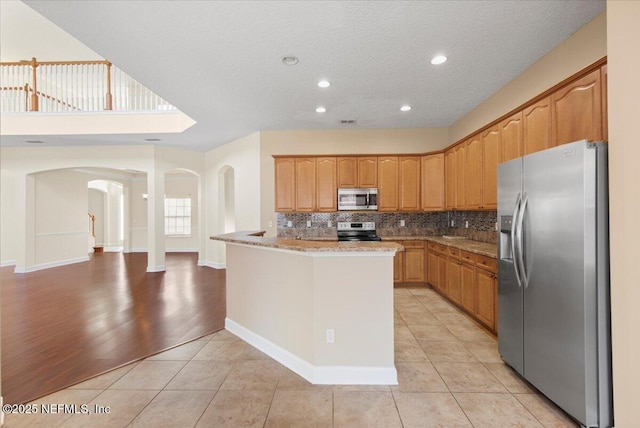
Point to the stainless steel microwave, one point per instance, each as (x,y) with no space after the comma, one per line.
(358,199)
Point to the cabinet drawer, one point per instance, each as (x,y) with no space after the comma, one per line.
(468,257)
(438,248)
(454,252)
(413,244)
(487,263)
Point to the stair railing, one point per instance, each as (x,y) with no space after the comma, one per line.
(53,86)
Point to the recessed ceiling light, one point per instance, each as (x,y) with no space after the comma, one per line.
(289,60)
(34,141)
(321,110)
(438,59)
(152,139)
(324,83)
(405,108)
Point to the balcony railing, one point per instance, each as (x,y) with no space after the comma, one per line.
(59,86)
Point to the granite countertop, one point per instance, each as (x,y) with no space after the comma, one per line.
(477,247)
(256,238)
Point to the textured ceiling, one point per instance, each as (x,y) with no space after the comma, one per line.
(220,62)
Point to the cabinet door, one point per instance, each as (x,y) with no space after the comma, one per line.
(454,286)
(285,184)
(490,161)
(468,280)
(460,176)
(450,178)
(432,175)
(576,111)
(347,172)
(486,285)
(368,171)
(605,103)
(388,183)
(442,274)
(305,184)
(398,266)
(473,173)
(537,126)
(511,138)
(409,182)
(413,261)
(432,269)
(326,195)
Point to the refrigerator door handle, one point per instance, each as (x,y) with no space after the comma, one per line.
(514,238)
(520,241)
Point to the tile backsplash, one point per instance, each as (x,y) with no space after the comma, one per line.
(481,224)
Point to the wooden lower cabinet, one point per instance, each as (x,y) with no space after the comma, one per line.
(454,285)
(408,265)
(468,286)
(486,283)
(466,279)
(398,266)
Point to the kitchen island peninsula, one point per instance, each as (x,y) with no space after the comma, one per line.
(323,309)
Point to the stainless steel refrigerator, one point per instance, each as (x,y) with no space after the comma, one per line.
(553,277)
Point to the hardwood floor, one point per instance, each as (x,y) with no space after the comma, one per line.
(63,325)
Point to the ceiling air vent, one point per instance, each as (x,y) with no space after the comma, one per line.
(348,122)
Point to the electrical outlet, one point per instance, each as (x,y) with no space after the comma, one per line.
(453,223)
(329,223)
(289,224)
(401,223)
(270,224)
(308,223)
(331,335)
(496,226)
(466,225)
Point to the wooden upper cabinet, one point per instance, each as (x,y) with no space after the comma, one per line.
(460,176)
(432,186)
(388,183)
(305,183)
(357,171)
(450,178)
(326,195)
(368,171)
(511,144)
(473,172)
(285,184)
(490,161)
(576,110)
(537,126)
(347,171)
(605,104)
(409,183)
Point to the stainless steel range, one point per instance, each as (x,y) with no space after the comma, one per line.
(351,231)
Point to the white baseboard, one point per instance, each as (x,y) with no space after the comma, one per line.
(323,375)
(50,265)
(137,250)
(160,268)
(181,250)
(7,263)
(213,265)
(113,249)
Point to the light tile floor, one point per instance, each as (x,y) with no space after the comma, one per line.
(449,371)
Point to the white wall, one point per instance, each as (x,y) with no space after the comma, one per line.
(623,33)
(61,201)
(8,219)
(243,156)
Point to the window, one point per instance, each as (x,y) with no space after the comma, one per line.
(177,216)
